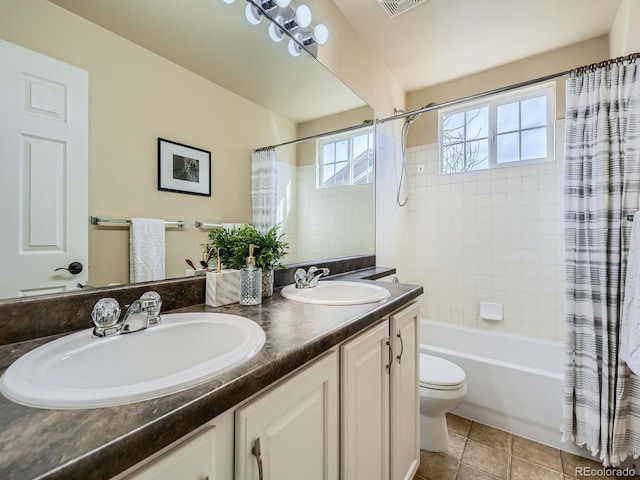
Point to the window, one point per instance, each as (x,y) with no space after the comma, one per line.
(346,159)
(504,130)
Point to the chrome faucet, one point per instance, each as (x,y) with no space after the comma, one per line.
(310,278)
(142,313)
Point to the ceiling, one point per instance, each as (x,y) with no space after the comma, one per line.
(441,40)
(435,42)
(209,37)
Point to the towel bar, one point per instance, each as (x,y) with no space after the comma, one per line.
(100,221)
(207,225)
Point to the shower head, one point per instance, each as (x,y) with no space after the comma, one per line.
(412,118)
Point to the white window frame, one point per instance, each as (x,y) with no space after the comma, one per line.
(547,89)
(320,143)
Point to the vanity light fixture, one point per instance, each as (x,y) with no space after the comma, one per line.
(294,48)
(275,32)
(254,16)
(301,18)
(271,4)
(320,35)
(286,20)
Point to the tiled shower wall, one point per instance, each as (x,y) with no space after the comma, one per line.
(286,206)
(323,223)
(492,235)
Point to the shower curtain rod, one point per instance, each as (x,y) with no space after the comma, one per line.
(477,96)
(515,86)
(366,123)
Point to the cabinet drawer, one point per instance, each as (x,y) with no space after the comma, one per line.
(193,460)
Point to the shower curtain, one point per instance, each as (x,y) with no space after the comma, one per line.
(263,189)
(602,180)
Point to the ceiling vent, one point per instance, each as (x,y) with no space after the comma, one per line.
(398,7)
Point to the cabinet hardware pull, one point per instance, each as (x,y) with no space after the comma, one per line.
(390,355)
(258,454)
(399,357)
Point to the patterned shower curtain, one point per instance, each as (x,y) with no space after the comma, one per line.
(602,179)
(263,189)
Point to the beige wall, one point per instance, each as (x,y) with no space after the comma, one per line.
(425,130)
(625,34)
(134,98)
(347,56)
(350,59)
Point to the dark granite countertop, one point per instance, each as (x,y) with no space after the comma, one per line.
(100,443)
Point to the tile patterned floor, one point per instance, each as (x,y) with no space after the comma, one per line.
(479,452)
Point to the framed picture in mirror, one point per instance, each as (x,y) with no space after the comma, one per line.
(183,169)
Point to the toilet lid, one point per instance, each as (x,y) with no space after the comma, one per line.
(439,373)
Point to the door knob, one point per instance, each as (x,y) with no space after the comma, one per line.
(74,268)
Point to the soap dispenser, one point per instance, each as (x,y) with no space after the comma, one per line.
(251,281)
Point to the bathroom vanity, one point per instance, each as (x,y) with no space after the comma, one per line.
(328,379)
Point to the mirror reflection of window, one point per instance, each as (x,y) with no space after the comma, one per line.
(345,160)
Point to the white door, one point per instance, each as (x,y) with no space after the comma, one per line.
(364,383)
(43,172)
(405,394)
(291,431)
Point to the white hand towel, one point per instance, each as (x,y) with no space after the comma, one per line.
(630,323)
(146,250)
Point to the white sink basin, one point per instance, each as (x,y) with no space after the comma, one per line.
(336,292)
(79,371)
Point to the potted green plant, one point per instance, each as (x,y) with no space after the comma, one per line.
(234,248)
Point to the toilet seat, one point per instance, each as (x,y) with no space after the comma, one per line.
(439,374)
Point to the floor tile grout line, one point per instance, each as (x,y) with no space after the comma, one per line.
(564,461)
(464,445)
(510,460)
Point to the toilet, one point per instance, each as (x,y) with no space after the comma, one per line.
(442,388)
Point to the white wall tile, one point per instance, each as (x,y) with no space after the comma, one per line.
(492,235)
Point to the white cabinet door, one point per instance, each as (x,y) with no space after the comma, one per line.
(205,454)
(380,403)
(292,428)
(365,405)
(405,394)
(43,172)
(193,460)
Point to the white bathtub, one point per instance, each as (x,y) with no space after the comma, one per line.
(514,382)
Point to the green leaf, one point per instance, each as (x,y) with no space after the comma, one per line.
(234,246)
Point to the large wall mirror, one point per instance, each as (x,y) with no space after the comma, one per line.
(197,73)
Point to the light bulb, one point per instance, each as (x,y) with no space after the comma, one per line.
(275,32)
(254,16)
(303,16)
(321,34)
(294,48)
(229,1)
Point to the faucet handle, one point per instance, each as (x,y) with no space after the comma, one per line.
(105,315)
(151,302)
(300,277)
